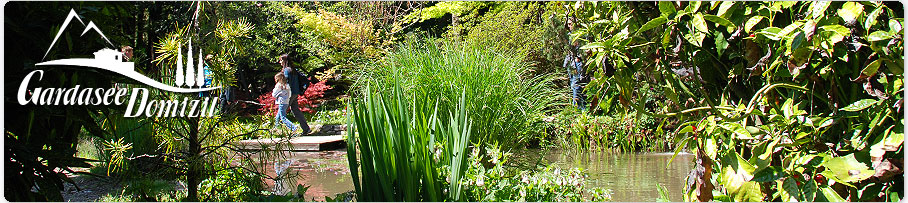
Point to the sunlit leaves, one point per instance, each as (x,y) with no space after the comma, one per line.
(666,8)
(846,169)
(850,11)
(699,23)
(653,23)
(752,22)
(860,105)
(719,20)
(879,36)
(870,21)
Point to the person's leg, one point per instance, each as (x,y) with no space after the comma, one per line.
(581,100)
(295,108)
(282,115)
(575,94)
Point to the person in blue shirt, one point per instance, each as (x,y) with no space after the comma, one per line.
(573,62)
(295,91)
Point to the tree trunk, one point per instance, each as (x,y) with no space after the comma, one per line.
(195,161)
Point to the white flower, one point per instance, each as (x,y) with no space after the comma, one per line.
(480,181)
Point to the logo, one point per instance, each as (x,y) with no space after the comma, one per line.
(193,78)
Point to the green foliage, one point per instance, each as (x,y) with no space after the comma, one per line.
(501,183)
(117,151)
(622,132)
(778,99)
(406,151)
(503,100)
(529,30)
(230,185)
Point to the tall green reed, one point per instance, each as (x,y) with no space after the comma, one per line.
(406,152)
(505,101)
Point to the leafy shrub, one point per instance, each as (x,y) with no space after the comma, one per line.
(307,101)
(781,101)
(622,132)
(526,29)
(230,185)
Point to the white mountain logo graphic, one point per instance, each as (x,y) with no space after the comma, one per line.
(112,60)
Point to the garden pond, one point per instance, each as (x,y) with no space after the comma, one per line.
(630,176)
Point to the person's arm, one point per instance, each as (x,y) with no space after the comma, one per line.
(276,91)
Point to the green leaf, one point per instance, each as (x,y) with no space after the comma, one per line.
(752,22)
(790,191)
(818,8)
(771,33)
(895,26)
(594,45)
(738,129)
(810,190)
(871,18)
(879,36)
(686,129)
(723,8)
(719,20)
(830,195)
(797,41)
(666,38)
(769,174)
(859,105)
(847,169)
(736,172)
(871,68)
(699,23)
(721,43)
(693,6)
(667,8)
(653,23)
(790,28)
(836,33)
(711,148)
(850,11)
(749,192)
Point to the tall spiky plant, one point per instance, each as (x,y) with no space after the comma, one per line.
(398,140)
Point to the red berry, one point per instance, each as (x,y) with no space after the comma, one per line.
(751,35)
(820,179)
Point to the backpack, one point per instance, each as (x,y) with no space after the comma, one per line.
(302,81)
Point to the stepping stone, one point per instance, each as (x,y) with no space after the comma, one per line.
(304,143)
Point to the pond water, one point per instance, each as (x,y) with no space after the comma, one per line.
(631,177)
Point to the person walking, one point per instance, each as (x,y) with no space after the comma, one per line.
(281,94)
(574,65)
(294,81)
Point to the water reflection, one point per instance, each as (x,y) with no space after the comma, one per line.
(631,177)
(326,173)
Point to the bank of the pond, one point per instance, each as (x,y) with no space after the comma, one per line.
(630,176)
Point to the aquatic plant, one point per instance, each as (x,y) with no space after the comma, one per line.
(502,99)
(400,155)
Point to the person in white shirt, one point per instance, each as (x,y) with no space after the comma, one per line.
(281,94)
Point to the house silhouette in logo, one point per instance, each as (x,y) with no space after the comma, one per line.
(109,54)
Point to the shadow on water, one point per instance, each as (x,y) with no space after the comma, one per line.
(630,176)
